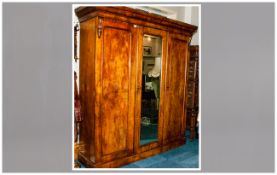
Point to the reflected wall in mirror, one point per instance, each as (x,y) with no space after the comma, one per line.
(150,95)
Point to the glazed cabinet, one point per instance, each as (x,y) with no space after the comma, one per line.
(133,84)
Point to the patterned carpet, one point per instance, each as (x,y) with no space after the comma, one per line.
(185,156)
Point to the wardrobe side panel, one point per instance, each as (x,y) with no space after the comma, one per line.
(87,85)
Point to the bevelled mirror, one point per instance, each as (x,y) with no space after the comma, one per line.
(150,94)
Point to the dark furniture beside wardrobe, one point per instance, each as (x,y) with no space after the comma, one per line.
(193,92)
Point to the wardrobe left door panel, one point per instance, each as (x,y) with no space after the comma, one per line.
(117,96)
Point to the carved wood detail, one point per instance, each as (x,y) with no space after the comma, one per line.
(99,27)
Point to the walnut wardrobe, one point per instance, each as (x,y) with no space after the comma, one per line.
(133,84)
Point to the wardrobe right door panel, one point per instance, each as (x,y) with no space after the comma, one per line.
(176,78)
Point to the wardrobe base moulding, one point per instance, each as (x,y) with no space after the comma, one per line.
(133,158)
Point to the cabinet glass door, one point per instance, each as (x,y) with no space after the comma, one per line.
(150,94)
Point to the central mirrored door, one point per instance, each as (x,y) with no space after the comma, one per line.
(151,83)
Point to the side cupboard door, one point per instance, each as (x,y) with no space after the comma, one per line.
(115,58)
(177,61)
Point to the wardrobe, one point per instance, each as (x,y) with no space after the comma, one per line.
(133,84)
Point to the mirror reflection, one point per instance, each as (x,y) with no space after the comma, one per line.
(150,102)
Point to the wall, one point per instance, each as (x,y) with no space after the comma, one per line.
(195,21)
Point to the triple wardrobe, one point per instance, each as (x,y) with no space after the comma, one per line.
(133,84)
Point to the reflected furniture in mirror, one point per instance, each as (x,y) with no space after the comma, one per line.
(151,73)
(133,84)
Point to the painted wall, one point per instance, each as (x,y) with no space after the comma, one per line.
(195,21)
